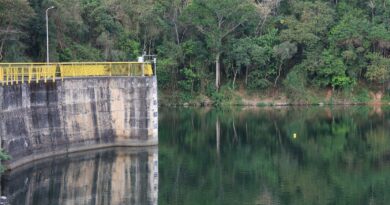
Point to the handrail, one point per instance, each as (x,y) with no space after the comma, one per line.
(11,73)
(89,62)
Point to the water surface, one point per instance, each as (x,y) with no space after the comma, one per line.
(286,156)
(109,176)
(339,155)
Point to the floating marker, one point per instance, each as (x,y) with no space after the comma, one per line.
(295,135)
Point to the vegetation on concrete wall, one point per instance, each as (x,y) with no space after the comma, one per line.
(3,156)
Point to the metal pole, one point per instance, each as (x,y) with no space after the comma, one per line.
(47,34)
(143,69)
(155,66)
(143,64)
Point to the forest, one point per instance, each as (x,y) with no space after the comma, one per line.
(214,47)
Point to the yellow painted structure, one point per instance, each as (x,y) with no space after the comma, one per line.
(11,73)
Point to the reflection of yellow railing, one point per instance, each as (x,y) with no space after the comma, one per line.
(11,73)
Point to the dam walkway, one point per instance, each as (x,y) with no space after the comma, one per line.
(14,73)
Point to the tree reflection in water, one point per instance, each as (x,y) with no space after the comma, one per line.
(339,156)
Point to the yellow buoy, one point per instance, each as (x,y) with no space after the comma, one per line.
(295,135)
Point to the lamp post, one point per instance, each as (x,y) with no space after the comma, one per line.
(47,34)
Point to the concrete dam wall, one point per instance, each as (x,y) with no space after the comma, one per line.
(38,120)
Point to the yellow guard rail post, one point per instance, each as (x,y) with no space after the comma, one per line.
(11,73)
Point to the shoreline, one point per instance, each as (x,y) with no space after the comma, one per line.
(267,104)
(243,98)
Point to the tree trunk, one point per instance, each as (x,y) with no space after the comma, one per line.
(1,49)
(176,184)
(259,27)
(3,41)
(234,79)
(235,139)
(192,86)
(246,131)
(278,132)
(217,71)
(176,28)
(277,77)
(246,75)
(218,135)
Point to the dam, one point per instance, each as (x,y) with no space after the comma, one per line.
(60,108)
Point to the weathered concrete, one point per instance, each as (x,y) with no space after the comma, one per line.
(42,119)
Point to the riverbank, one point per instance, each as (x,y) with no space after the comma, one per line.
(280,97)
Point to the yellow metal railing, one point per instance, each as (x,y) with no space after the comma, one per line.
(11,73)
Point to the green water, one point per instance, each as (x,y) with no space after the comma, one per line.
(339,155)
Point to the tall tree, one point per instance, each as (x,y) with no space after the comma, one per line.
(283,51)
(216,20)
(265,8)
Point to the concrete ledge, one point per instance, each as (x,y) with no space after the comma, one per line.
(82,154)
(37,157)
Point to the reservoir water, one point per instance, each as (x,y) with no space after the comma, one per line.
(259,156)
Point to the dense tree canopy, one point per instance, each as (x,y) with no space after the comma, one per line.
(254,43)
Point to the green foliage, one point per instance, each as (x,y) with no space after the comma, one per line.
(295,82)
(352,30)
(225,96)
(98,18)
(256,55)
(362,95)
(285,50)
(258,80)
(164,73)
(80,52)
(3,156)
(379,69)
(341,81)
(189,81)
(253,43)
(309,22)
(130,48)
(14,16)
(330,70)
(217,19)
(379,32)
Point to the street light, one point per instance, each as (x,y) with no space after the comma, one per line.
(47,34)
